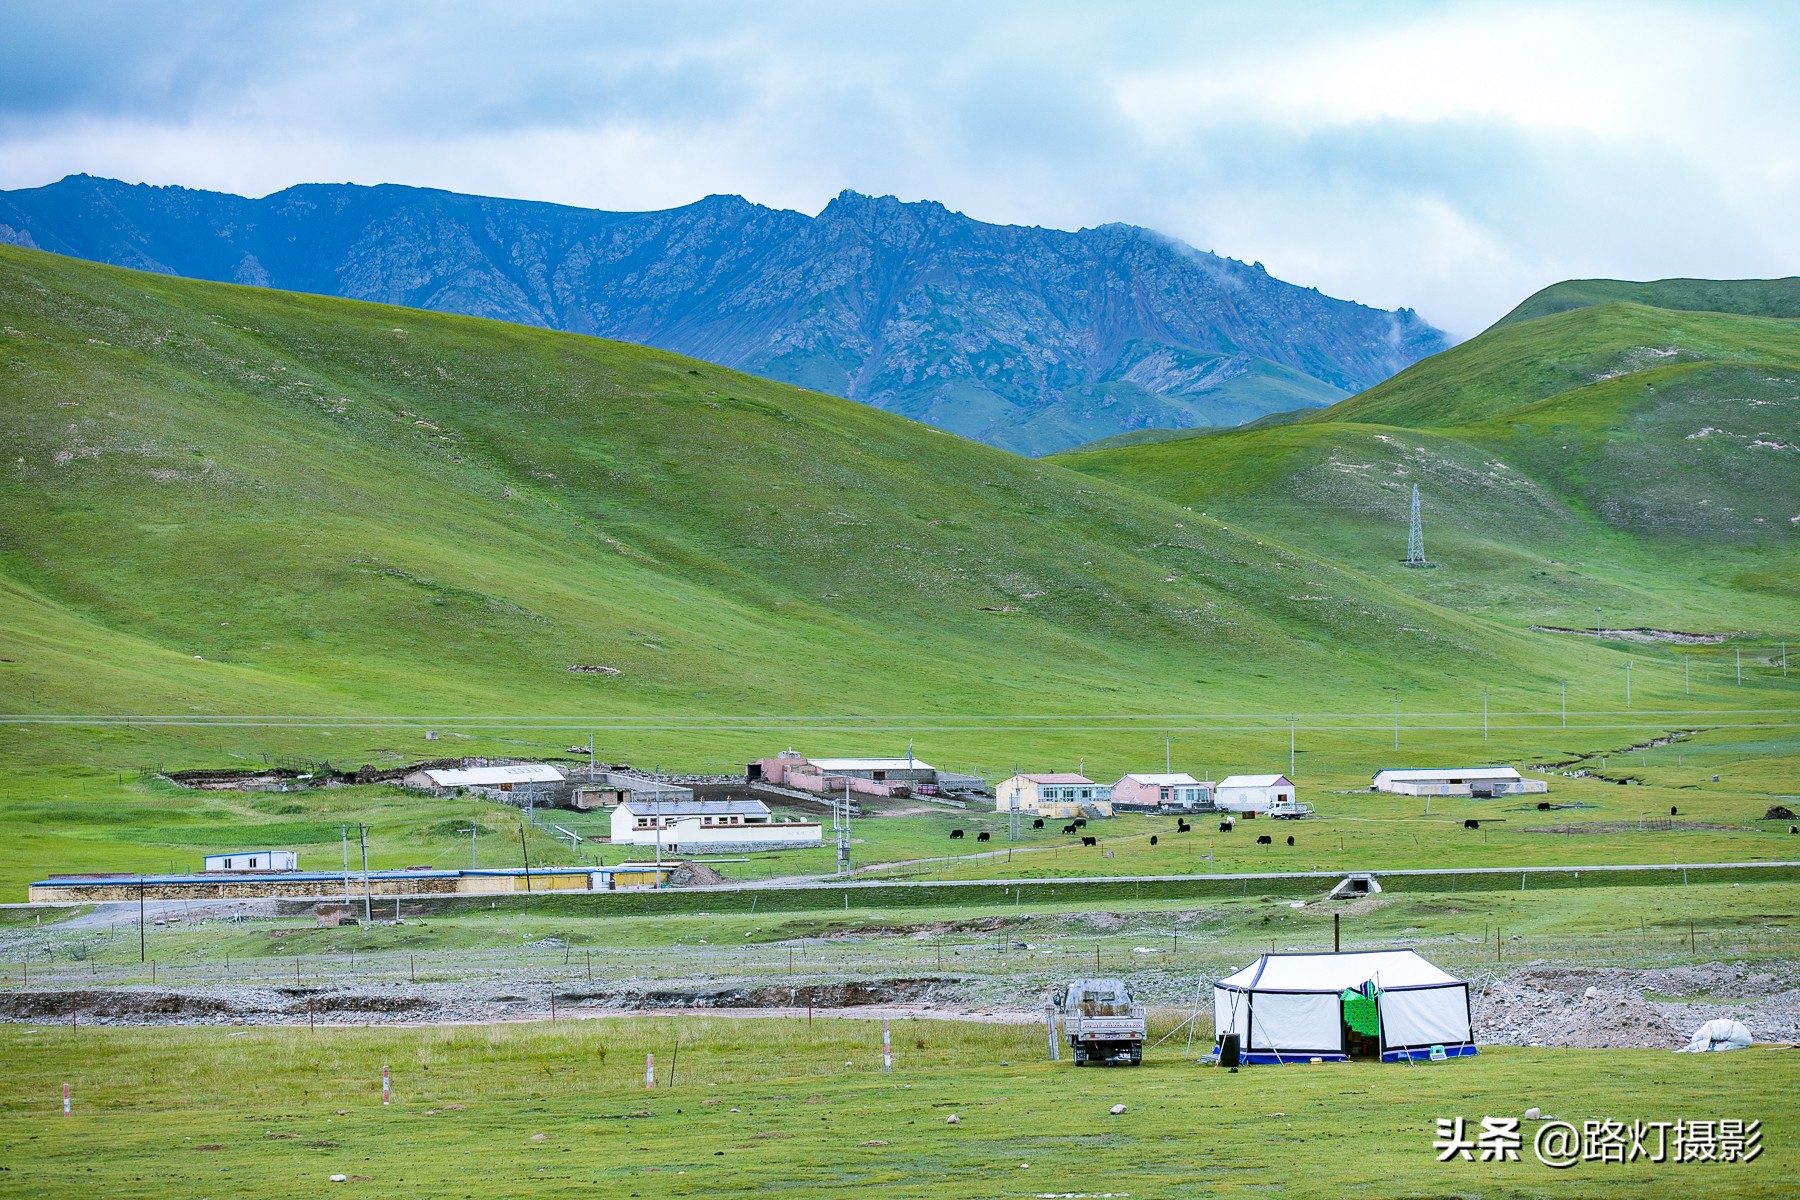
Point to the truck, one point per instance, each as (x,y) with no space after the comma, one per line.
(1101,1023)
(1287,810)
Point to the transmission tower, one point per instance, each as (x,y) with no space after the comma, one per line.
(1415,536)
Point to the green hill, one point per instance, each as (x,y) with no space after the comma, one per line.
(222,498)
(1744,297)
(1640,460)
(1522,362)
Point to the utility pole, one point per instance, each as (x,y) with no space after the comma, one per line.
(472,830)
(1597,624)
(362,834)
(1565,704)
(1290,747)
(590,756)
(1484,715)
(1740,664)
(345,830)
(1168,758)
(1628,683)
(1687,682)
(1396,722)
(843,841)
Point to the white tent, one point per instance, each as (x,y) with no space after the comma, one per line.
(1289,1007)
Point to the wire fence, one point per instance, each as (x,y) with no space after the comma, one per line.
(1009,954)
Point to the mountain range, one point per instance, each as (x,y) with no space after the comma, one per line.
(1034,340)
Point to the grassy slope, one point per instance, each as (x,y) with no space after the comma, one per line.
(1562,466)
(364,506)
(1515,364)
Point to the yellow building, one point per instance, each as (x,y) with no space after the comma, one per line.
(1060,796)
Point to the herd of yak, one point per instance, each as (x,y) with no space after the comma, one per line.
(1080,823)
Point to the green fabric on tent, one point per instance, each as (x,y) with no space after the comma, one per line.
(1361,1013)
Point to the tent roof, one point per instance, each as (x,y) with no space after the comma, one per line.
(1335,972)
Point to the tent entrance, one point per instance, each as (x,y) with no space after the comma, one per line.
(1361,1011)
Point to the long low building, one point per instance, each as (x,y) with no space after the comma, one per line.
(329,885)
(1456,781)
(709,827)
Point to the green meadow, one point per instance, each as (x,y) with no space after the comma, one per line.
(792,1108)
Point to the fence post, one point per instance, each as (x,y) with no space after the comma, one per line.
(1050,1032)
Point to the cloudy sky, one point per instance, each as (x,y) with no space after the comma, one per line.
(1449,157)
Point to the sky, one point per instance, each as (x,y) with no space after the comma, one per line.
(1448,157)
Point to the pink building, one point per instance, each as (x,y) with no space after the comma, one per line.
(1162,791)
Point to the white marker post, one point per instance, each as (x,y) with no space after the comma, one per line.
(387,1094)
(65,1099)
(887,1049)
(1050,1032)
(649,1071)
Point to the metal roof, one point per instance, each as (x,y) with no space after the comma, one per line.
(1449,772)
(492,776)
(1177,780)
(1254,781)
(871,764)
(708,808)
(1056,777)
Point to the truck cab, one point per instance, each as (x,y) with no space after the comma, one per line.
(1101,1022)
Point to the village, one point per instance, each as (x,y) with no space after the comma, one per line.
(666,826)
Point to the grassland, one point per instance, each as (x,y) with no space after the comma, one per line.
(223,505)
(1633,460)
(561,1110)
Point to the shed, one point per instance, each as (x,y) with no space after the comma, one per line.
(1252,793)
(1297,1007)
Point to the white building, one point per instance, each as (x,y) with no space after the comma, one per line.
(252,860)
(1252,793)
(708,826)
(1060,796)
(1457,781)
